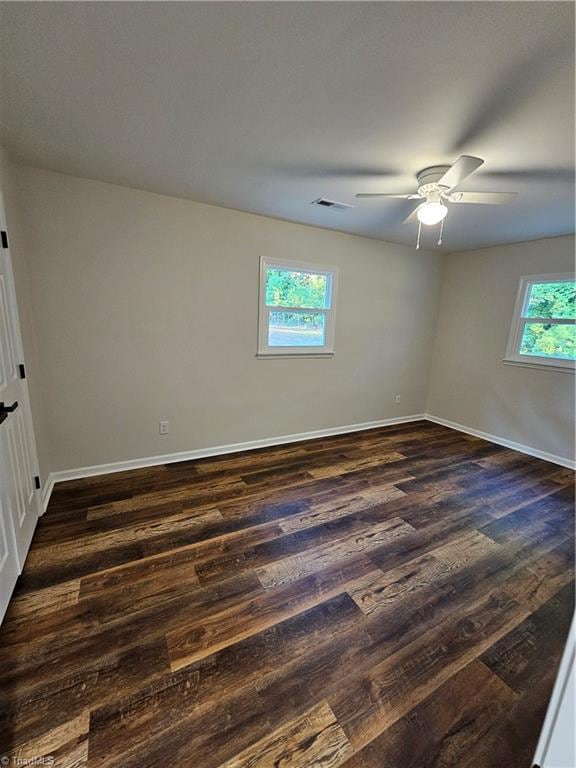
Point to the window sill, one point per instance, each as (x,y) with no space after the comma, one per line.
(283,355)
(540,366)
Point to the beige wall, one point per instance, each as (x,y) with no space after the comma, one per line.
(469,383)
(138,307)
(20,266)
(146,309)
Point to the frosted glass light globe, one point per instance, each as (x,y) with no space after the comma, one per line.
(432,213)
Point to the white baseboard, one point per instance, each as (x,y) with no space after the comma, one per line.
(47,492)
(202,453)
(520,447)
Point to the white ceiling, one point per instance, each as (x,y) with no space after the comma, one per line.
(266,106)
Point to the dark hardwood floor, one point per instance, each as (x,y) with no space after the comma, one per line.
(396,598)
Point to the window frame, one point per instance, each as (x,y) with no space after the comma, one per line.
(519,320)
(327,349)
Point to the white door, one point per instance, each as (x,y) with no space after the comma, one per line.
(19,496)
(557,744)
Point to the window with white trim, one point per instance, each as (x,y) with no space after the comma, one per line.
(297,308)
(543,331)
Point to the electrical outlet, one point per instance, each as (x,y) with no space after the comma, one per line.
(164,427)
(397,400)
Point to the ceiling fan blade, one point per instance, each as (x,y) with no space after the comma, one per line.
(556,175)
(412,216)
(483,198)
(312,170)
(462,168)
(526,74)
(385,194)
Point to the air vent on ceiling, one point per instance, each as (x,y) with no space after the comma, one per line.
(334,204)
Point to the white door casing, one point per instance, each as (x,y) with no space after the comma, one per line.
(19,497)
(557,744)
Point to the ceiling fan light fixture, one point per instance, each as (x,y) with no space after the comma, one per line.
(432,213)
(435,188)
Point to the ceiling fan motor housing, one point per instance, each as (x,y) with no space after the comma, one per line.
(428,180)
(435,191)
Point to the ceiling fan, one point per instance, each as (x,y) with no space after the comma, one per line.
(436,190)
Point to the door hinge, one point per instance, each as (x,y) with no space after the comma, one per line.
(37,482)
(22,371)
(4,236)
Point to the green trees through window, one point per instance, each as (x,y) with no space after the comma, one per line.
(296,289)
(296,308)
(549,340)
(556,301)
(552,300)
(301,290)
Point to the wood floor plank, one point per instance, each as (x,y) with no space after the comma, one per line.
(99,542)
(351,465)
(427,539)
(350,656)
(542,579)
(516,658)
(169,568)
(360,524)
(465,549)
(227,545)
(211,736)
(30,701)
(380,590)
(52,598)
(84,639)
(213,680)
(316,559)
(327,511)
(445,728)
(398,684)
(314,738)
(246,459)
(82,528)
(242,620)
(66,745)
(393,598)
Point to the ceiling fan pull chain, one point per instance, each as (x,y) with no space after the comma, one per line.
(441,231)
(418,239)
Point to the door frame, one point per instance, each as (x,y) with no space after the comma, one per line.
(14,320)
(554,726)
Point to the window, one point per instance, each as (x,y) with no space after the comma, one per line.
(543,331)
(296,308)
